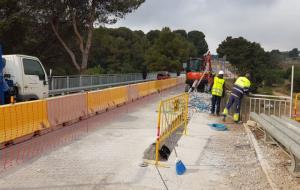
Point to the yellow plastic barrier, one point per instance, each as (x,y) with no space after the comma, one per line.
(103,99)
(143,89)
(119,95)
(296,115)
(172,114)
(98,101)
(158,85)
(22,119)
(152,87)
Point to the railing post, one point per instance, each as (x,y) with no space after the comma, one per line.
(292,91)
(80,81)
(52,83)
(68,82)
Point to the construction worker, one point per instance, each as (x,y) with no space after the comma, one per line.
(217,92)
(240,87)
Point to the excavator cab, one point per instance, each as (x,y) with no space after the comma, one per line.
(195,69)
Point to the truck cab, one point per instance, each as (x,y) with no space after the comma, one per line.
(28,75)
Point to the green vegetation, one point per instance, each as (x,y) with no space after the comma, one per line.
(60,33)
(123,51)
(296,77)
(264,67)
(169,51)
(265,90)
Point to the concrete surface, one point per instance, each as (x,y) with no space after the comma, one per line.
(109,157)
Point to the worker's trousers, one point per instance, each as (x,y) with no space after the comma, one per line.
(215,104)
(236,102)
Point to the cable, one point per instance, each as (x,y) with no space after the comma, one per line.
(162,179)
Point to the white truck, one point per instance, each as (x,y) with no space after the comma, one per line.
(28,75)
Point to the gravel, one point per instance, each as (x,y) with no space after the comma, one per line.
(235,159)
(279,163)
(200,102)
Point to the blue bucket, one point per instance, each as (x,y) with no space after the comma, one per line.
(218,126)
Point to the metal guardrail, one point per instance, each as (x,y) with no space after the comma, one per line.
(261,104)
(285,133)
(270,105)
(76,83)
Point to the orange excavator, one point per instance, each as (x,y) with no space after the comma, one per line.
(198,73)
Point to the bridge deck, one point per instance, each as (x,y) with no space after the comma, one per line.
(108,157)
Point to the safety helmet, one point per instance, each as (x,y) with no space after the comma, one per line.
(221,72)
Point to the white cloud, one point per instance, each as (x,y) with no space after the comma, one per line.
(272,23)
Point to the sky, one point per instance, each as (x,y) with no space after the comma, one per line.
(275,24)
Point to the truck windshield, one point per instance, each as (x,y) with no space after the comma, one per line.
(33,67)
(194,65)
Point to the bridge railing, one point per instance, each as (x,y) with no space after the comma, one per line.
(76,83)
(258,103)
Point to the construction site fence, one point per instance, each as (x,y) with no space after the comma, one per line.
(31,118)
(172,114)
(260,104)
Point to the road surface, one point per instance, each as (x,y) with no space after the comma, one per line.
(109,156)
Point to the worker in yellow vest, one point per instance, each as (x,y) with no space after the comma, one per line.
(240,87)
(217,92)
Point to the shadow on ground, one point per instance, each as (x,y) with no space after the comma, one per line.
(170,143)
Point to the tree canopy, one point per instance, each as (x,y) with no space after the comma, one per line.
(294,53)
(80,17)
(198,39)
(169,51)
(247,57)
(59,37)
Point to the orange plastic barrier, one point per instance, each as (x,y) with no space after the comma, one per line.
(21,119)
(98,101)
(66,108)
(152,87)
(143,89)
(103,99)
(119,95)
(133,93)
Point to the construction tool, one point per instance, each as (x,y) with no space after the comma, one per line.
(180,167)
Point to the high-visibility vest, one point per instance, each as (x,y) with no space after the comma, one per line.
(243,82)
(217,88)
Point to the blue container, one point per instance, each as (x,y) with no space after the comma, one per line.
(218,126)
(180,167)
